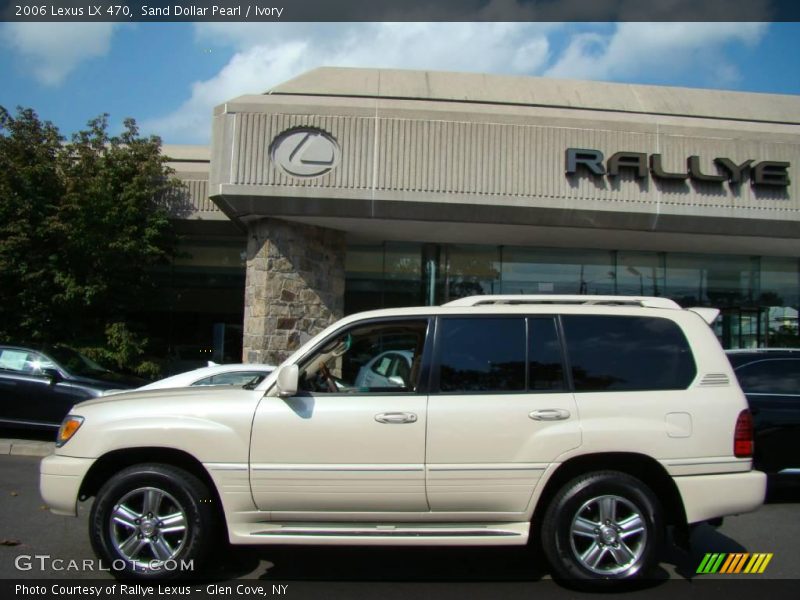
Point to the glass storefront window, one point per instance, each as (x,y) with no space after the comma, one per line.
(780,293)
(710,280)
(758,296)
(471,270)
(640,274)
(195,312)
(364,273)
(780,282)
(729,283)
(557,271)
(211,253)
(402,284)
(383,276)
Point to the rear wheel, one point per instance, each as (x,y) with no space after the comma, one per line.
(602,528)
(153,522)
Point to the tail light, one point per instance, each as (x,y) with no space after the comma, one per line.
(743,435)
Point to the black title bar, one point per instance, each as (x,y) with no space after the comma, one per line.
(399,10)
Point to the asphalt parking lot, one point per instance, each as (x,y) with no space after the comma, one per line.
(30,530)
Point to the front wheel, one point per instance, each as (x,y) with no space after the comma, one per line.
(152,521)
(602,528)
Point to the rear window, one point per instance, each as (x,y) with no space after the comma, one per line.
(482,355)
(621,353)
(500,354)
(771,376)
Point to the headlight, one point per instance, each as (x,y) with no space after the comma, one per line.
(69,426)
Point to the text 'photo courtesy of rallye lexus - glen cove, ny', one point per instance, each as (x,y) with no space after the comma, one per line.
(587,425)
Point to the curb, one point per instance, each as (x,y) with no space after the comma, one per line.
(26,447)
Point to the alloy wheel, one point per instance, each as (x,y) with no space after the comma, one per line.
(608,535)
(148,527)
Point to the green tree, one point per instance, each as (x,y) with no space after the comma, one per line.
(30,189)
(82,223)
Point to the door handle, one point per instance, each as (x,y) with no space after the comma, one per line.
(396,418)
(549,414)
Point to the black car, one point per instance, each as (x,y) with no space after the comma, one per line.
(770,379)
(38,386)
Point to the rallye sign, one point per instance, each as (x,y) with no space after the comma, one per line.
(763,173)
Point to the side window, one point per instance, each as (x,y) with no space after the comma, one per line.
(383,356)
(545,367)
(623,353)
(775,376)
(482,354)
(34,363)
(22,361)
(15,360)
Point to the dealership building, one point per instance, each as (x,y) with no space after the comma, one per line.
(350,189)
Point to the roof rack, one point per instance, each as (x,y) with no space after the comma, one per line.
(516,299)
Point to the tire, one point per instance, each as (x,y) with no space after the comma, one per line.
(153,521)
(602,529)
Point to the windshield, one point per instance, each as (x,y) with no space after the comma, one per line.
(75,362)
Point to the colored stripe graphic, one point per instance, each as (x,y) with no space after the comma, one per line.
(734,563)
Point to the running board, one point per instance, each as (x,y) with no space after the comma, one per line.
(405,534)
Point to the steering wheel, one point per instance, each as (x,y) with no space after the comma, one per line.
(328,377)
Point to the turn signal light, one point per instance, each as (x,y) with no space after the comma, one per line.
(743,435)
(69,426)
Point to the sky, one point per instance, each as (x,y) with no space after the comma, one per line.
(169,76)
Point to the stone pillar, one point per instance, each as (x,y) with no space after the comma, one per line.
(294,288)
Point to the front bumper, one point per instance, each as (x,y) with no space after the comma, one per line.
(710,496)
(60,479)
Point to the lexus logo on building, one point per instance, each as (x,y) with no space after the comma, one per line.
(305,152)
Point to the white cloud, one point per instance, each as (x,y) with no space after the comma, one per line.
(669,49)
(251,71)
(51,51)
(268,54)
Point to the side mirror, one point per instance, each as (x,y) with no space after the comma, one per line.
(288,377)
(397,381)
(53,374)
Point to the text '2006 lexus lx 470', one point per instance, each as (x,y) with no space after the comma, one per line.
(586,424)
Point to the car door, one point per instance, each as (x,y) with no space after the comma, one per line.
(14,384)
(340,448)
(772,387)
(499,413)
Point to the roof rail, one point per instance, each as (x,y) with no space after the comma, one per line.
(516,299)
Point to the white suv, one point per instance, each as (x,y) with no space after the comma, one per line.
(586,423)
